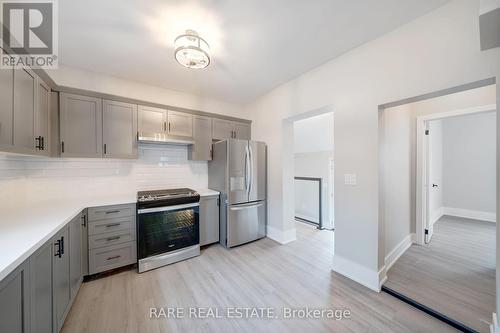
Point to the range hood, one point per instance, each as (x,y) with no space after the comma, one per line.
(165,139)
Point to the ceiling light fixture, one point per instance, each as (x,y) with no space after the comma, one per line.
(191,50)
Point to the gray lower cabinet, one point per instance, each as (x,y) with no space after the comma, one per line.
(112,237)
(15,300)
(75,254)
(40,269)
(209,220)
(201,150)
(80,126)
(61,277)
(119,129)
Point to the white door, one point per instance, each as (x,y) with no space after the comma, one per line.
(434,174)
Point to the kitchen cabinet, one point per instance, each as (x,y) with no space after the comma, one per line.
(24,110)
(242,131)
(61,277)
(40,270)
(179,124)
(75,254)
(119,128)
(42,108)
(226,129)
(209,219)
(151,121)
(222,129)
(201,150)
(6,108)
(80,126)
(14,301)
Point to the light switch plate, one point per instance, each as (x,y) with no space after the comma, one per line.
(350,179)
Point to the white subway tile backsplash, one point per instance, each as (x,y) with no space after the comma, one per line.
(157,167)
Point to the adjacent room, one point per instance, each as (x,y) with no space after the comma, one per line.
(440,250)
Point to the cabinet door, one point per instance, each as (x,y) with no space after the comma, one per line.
(14,301)
(201,150)
(60,277)
(180,124)
(6,107)
(41,290)
(24,110)
(151,121)
(119,121)
(80,126)
(209,220)
(75,255)
(42,117)
(241,131)
(222,129)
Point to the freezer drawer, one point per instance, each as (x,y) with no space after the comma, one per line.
(245,223)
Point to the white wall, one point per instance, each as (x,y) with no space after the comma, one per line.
(437,51)
(469,163)
(313,134)
(396,147)
(436,170)
(313,164)
(81,79)
(35,178)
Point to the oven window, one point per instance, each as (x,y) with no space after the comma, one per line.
(161,232)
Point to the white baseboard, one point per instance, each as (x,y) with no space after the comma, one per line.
(494,324)
(282,237)
(470,214)
(398,251)
(360,274)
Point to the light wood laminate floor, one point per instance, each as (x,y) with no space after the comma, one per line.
(454,274)
(260,274)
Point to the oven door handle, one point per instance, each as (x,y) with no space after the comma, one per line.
(167,208)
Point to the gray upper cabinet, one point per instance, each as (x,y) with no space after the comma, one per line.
(80,126)
(75,254)
(61,280)
(42,120)
(222,129)
(151,121)
(180,124)
(242,131)
(201,150)
(14,301)
(24,110)
(6,107)
(226,129)
(209,220)
(119,127)
(40,270)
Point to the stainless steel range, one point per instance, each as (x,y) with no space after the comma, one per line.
(167,227)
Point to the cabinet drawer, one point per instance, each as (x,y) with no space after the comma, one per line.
(108,212)
(111,225)
(110,257)
(111,238)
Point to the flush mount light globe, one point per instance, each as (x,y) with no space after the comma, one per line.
(191,50)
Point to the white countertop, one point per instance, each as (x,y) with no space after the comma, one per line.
(25,227)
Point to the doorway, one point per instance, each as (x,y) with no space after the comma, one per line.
(439,243)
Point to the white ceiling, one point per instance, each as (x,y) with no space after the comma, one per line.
(256,44)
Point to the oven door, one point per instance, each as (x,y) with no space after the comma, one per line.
(165,229)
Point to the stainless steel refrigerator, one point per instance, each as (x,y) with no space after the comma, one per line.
(238,172)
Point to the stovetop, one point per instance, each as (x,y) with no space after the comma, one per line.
(168,197)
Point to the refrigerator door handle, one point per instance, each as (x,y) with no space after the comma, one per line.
(250,157)
(246,206)
(247,170)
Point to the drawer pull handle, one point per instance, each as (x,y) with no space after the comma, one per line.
(112,225)
(112,238)
(115,257)
(112,212)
